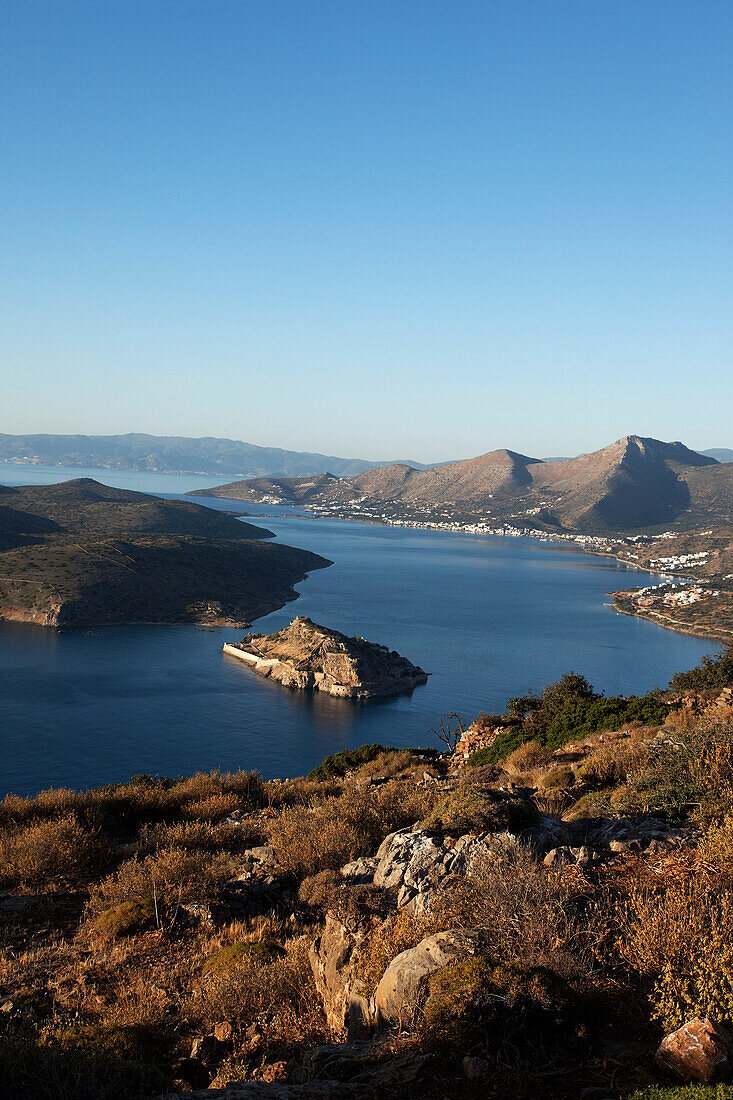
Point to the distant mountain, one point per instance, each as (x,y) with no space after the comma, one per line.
(175,455)
(635,483)
(720,454)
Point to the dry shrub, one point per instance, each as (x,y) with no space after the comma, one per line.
(527,757)
(34,854)
(310,839)
(324,836)
(122,808)
(84,1062)
(213,807)
(169,876)
(689,775)
(52,803)
(612,762)
(469,808)
(681,939)
(353,904)
(276,991)
(243,954)
(301,792)
(390,764)
(199,836)
(241,790)
(522,909)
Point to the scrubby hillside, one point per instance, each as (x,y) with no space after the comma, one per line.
(81,553)
(396,924)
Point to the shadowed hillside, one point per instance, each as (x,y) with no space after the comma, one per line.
(83,553)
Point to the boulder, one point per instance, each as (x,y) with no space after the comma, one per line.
(331,957)
(698,1051)
(402,985)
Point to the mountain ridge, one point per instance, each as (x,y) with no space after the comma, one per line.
(175,454)
(635,483)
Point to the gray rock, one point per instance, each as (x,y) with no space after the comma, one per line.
(361,871)
(402,984)
(332,956)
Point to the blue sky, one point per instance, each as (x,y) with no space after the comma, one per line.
(387,229)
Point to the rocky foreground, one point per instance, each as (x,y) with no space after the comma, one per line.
(549,916)
(311,657)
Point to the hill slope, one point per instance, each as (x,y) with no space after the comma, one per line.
(636,483)
(82,553)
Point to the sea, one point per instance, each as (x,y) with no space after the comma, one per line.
(487,617)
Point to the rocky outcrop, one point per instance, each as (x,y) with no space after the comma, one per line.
(332,956)
(414,862)
(700,1050)
(311,657)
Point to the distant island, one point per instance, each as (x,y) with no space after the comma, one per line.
(173,455)
(81,553)
(308,656)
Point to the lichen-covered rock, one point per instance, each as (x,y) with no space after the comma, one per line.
(403,982)
(307,656)
(700,1050)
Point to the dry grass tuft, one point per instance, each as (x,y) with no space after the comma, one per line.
(36,854)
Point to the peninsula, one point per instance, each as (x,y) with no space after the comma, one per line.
(308,656)
(82,554)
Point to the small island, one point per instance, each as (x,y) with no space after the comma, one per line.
(307,656)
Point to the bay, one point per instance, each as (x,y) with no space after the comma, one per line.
(487,617)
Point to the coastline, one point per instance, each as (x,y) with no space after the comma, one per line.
(567,541)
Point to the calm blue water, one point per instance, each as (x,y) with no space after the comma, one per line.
(487,617)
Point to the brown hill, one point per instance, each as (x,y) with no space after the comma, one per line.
(80,553)
(634,484)
(472,482)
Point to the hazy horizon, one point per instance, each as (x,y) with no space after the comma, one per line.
(374,230)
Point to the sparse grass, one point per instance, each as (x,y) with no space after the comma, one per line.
(478,809)
(610,763)
(527,757)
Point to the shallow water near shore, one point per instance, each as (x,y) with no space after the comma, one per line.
(487,617)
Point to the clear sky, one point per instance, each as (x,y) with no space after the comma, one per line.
(389,228)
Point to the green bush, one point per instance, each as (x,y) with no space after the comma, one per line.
(576,720)
(713,672)
(474,997)
(559,779)
(129,916)
(260,952)
(340,763)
